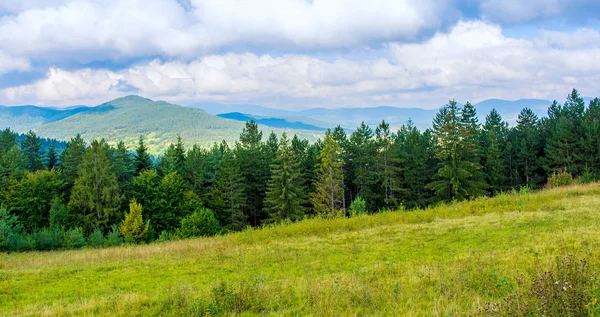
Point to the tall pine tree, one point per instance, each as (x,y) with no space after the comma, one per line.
(328,196)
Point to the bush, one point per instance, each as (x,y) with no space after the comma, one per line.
(113,237)
(562,178)
(202,223)
(164,236)
(10,232)
(96,239)
(565,290)
(49,238)
(59,214)
(133,227)
(358,207)
(74,239)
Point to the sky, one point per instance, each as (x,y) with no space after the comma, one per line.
(294,54)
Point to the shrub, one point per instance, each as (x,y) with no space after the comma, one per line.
(565,290)
(164,236)
(96,239)
(358,207)
(562,178)
(49,238)
(74,239)
(59,214)
(113,237)
(202,223)
(10,232)
(133,227)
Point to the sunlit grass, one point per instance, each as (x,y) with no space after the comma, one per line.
(446,260)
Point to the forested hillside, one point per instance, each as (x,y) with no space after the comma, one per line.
(93,190)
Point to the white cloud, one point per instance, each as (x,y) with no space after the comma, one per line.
(87,30)
(9,63)
(473,61)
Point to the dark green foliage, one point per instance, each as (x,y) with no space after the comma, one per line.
(31,198)
(493,138)
(387,167)
(74,239)
(528,147)
(286,194)
(58,214)
(458,176)
(201,223)
(361,163)
(96,238)
(123,164)
(328,196)
(253,163)
(70,159)
(169,203)
(142,160)
(174,159)
(8,139)
(95,198)
(33,156)
(49,238)
(113,238)
(51,157)
(10,231)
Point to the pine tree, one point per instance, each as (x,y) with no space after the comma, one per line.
(528,145)
(227,196)
(591,137)
(285,198)
(123,164)
(361,164)
(12,165)
(51,157)
(173,159)
(456,177)
(141,159)
(415,152)
(95,197)
(387,165)
(328,197)
(8,139)
(253,167)
(493,145)
(70,159)
(133,226)
(32,152)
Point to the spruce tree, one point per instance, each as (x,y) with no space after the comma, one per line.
(328,196)
(253,167)
(285,198)
(387,165)
(174,159)
(123,164)
(361,164)
(32,152)
(528,145)
(227,195)
(493,145)
(141,158)
(95,198)
(70,159)
(51,157)
(457,176)
(591,137)
(8,139)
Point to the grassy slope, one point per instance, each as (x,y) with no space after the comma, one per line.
(447,260)
(160,122)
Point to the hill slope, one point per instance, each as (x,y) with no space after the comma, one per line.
(159,122)
(24,118)
(447,260)
(271,122)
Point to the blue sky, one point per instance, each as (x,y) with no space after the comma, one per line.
(297,53)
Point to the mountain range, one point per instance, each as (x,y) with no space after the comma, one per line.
(161,122)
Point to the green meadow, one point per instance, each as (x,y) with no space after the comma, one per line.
(446,260)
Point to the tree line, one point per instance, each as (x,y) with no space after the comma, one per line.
(97,194)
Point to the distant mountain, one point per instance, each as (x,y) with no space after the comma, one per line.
(215,108)
(24,118)
(158,121)
(271,122)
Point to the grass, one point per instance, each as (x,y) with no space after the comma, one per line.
(447,260)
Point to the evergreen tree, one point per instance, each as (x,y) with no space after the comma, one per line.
(456,177)
(591,137)
(51,157)
(141,159)
(493,144)
(70,159)
(32,152)
(173,159)
(528,146)
(8,139)
(133,226)
(285,198)
(386,165)
(144,189)
(415,153)
(170,204)
(95,198)
(328,197)
(227,196)
(123,165)
(252,165)
(11,165)
(361,164)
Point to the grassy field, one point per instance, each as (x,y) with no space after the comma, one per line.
(448,260)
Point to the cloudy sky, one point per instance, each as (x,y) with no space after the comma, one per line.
(297,53)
